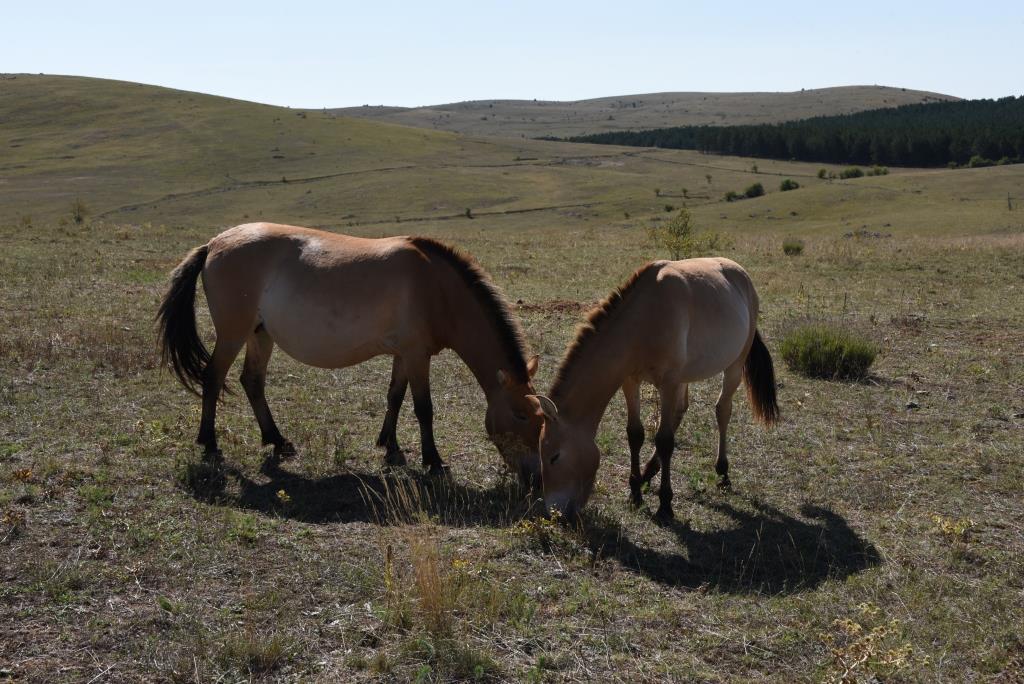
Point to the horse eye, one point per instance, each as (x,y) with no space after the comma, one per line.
(555,457)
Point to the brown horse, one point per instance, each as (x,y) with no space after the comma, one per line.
(334,301)
(670,324)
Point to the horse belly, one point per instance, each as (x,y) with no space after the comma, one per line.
(710,349)
(333,334)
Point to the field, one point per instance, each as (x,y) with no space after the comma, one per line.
(533,118)
(877,532)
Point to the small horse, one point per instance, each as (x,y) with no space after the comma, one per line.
(670,324)
(334,301)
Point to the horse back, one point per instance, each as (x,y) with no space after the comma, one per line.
(327,299)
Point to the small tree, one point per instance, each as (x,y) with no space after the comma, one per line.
(788,184)
(823,173)
(708,177)
(676,236)
(755,190)
(79,211)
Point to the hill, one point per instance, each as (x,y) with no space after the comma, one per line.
(533,118)
(975,132)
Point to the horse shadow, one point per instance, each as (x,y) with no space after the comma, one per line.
(396,496)
(762,549)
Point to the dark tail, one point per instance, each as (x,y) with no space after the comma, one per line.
(180,344)
(759,375)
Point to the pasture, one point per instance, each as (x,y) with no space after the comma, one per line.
(877,531)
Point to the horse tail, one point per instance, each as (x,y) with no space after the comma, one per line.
(759,374)
(180,344)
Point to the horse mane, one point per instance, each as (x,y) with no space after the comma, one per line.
(588,329)
(487,294)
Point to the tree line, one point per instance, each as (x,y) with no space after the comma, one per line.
(967,132)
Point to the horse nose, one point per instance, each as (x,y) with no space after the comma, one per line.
(563,504)
(529,476)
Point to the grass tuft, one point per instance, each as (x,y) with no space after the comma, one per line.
(828,351)
(793,246)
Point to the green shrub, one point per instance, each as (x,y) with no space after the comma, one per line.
(823,173)
(977,161)
(793,246)
(877,170)
(788,184)
(851,172)
(681,241)
(669,208)
(731,196)
(821,350)
(79,211)
(755,190)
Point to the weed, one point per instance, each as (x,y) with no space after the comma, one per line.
(255,653)
(822,350)
(793,246)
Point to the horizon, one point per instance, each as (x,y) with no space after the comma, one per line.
(323,55)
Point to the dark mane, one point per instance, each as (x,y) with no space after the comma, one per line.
(587,330)
(490,298)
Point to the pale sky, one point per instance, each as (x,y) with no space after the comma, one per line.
(335,54)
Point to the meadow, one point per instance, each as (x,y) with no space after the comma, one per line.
(876,534)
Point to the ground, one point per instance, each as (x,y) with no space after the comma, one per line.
(876,532)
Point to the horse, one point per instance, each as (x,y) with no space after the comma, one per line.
(670,324)
(333,301)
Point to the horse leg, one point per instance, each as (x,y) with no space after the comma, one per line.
(419,380)
(258,349)
(654,465)
(723,412)
(665,442)
(635,435)
(224,352)
(388,437)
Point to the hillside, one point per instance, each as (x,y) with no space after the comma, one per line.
(144,153)
(533,118)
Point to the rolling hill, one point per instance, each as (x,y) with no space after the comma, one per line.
(533,118)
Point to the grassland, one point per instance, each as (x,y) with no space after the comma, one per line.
(877,532)
(533,118)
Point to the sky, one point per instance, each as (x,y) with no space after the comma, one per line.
(337,54)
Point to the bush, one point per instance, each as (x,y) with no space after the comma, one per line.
(681,241)
(879,171)
(823,173)
(755,190)
(820,350)
(851,172)
(731,196)
(977,161)
(788,184)
(79,211)
(793,246)
(669,208)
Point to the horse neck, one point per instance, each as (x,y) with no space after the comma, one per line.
(473,335)
(594,377)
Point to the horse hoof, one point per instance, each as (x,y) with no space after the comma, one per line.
(439,470)
(725,483)
(636,500)
(665,514)
(213,456)
(395,459)
(284,450)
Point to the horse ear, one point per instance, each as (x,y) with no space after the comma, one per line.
(548,407)
(532,365)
